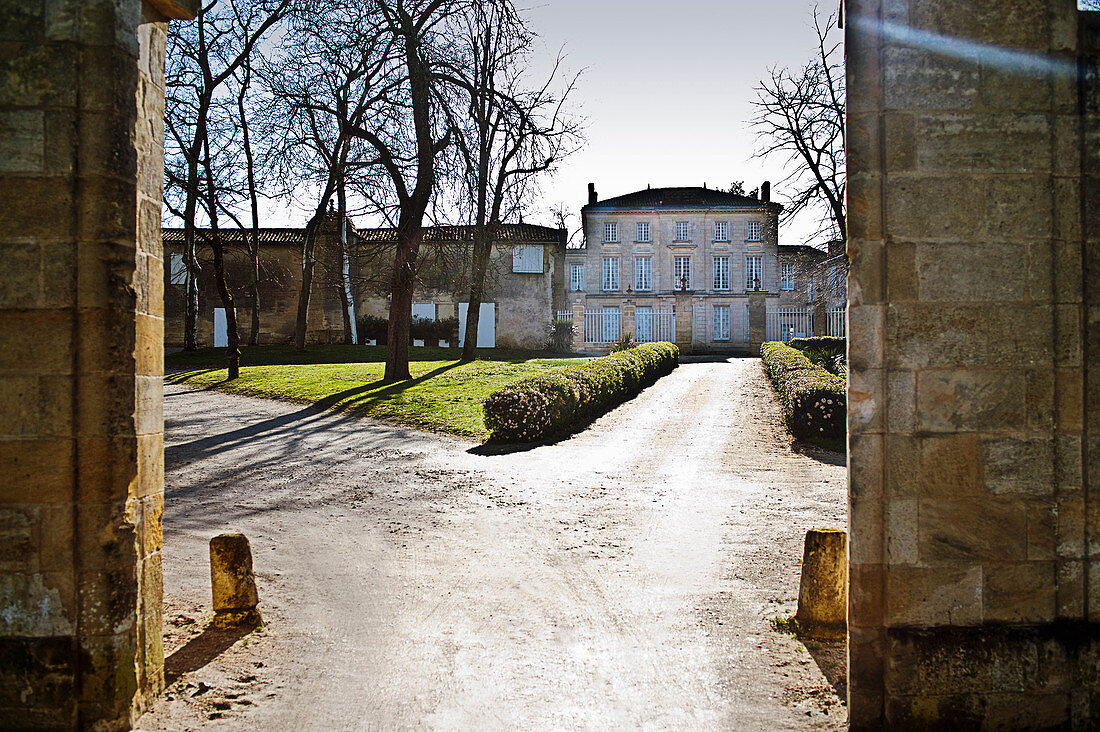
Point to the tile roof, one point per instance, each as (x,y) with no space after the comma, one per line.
(679,198)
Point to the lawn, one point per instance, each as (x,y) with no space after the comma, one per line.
(443,395)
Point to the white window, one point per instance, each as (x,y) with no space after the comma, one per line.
(643,231)
(643,273)
(527,258)
(754,273)
(576,277)
(611,233)
(611,325)
(721,273)
(721,322)
(811,289)
(178,275)
(682,271)
(643,323)
(721,231)
(753,230)
(786,276)
(610,274)
(834,281)
(683,231)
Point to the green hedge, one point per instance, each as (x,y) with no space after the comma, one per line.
(815,403)
(557,401)
(825,345)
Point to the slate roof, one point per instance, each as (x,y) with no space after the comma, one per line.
(515,233)
(652,198)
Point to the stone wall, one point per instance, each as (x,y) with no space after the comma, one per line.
(81,104)
(973,321)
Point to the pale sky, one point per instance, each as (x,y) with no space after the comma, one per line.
(666,90)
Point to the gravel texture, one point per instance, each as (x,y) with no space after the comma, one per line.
(626,577)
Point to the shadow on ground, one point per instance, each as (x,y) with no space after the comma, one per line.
(201,650)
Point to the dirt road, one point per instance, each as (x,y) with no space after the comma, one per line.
(623,578)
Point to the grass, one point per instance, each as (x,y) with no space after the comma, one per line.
(443,395)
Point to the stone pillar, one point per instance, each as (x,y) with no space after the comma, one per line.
(821,319)
(578,327)
(758,321)
(684,317)
(628,325)
(81,361)
(973,594)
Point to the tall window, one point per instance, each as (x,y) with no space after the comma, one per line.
(643,273)
(683,231)
(811,289)
(754,273)
(643,231)
(753,230)
(721,322)
(178,275)
(721,273)
(576,277)
(834,281)
(610,274)
(786,276)
(682,271)
(611,233)
(721,231)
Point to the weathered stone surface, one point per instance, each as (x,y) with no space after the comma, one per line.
(823,587)
(232,581)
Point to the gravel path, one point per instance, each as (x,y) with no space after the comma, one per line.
(623,578)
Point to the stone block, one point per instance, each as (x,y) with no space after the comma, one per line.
(916,79)
(1017,208)
(866,401)
(863,142)
(974,142)
(22,140)
(1019,593)
(36,471)
(930,596)
(865,516)
(1014,465)
(949,466)
(21,280)
(903,458)
(866,649)
(1070,593)
(865,601)
(37,340)
(1021,24)
(1040,399)
(234,585)
(18,550)
(1067,464)
(902,531)
(1071,527)
(1067,335)
(1012,91)
(901,401)
(823,585)
(865,273)
(37,75)
(1042,521)
(948,208)
(975,400)
(973,272)
(972,530)
(901,144)
(864,199)
(19,395)
(55,537)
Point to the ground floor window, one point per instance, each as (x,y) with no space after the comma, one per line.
(576,277)
(721,322)
(643,323)
(611,324)
(786,276)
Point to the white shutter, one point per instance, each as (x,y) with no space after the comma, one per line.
(527,258)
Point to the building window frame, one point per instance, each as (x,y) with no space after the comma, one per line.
(610,274)
(611,233)
(721,273)
(754,270)
(721,323)
(681,273)
(786,276)
(576,278)
(177,274)
(721,231)
(683,231)
(643,274)
(754,230)
(642,232)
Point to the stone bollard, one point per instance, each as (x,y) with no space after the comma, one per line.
(823,589)
(232,581)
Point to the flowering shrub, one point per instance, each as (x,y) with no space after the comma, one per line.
(815,402)
(555,402)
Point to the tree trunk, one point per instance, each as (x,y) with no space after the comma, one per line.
(254,249)
(404,275)
(234,346)
(342,274)
(190,259)
(483,246)
(308,252)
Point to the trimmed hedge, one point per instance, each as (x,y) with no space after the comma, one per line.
(557,401)
(815,402)
(825,345)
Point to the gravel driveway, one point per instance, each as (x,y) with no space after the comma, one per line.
(623,578)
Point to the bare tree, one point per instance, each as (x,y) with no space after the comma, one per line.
(202,57)
(506,134)
(800,115)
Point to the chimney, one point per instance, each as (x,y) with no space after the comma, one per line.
(766,191)
(592,198)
